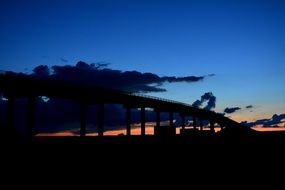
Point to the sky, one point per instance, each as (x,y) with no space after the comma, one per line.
(241,42)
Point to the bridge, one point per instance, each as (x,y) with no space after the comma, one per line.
(15,86)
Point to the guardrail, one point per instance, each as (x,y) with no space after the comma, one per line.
(157,98)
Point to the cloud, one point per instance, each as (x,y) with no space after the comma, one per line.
(231,110)
(100,65)
(63,60)
(274,121)
(60,114)
(197,103)
(41,70)
(181,79)
(249,106)
(211,100)
(97,74)
(208,96)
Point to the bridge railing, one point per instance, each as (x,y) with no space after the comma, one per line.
(158,98)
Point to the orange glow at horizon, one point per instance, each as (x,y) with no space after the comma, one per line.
(261,128)
(149,130)
(248,117)
(136,130)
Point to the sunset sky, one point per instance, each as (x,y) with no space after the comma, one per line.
(240,42)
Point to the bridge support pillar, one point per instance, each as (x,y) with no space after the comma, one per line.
(31,116)
(82,119)
(100,119)
(201,124)
(157,118)
(183,121)
(11,113)
(171,119)
(212,126)
(222,127)
(142,121)
(128,120)
(194,122)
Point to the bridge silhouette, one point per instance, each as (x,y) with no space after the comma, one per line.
(15,86)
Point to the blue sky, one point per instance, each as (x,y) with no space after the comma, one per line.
(241,41)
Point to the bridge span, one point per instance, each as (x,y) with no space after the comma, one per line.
(14,86)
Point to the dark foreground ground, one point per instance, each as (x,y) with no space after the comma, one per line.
(204,156)
(261,139)
(256,138)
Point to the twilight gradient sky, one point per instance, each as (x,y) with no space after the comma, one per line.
(241,41)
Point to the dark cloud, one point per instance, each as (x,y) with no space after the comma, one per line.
(58,115)
(231,110)
(181,79)
(63,60)
(197,103)
(100,65)
(211,103)
(41,70)
(96,74)
(274,121)
(211,100)
(208,96)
